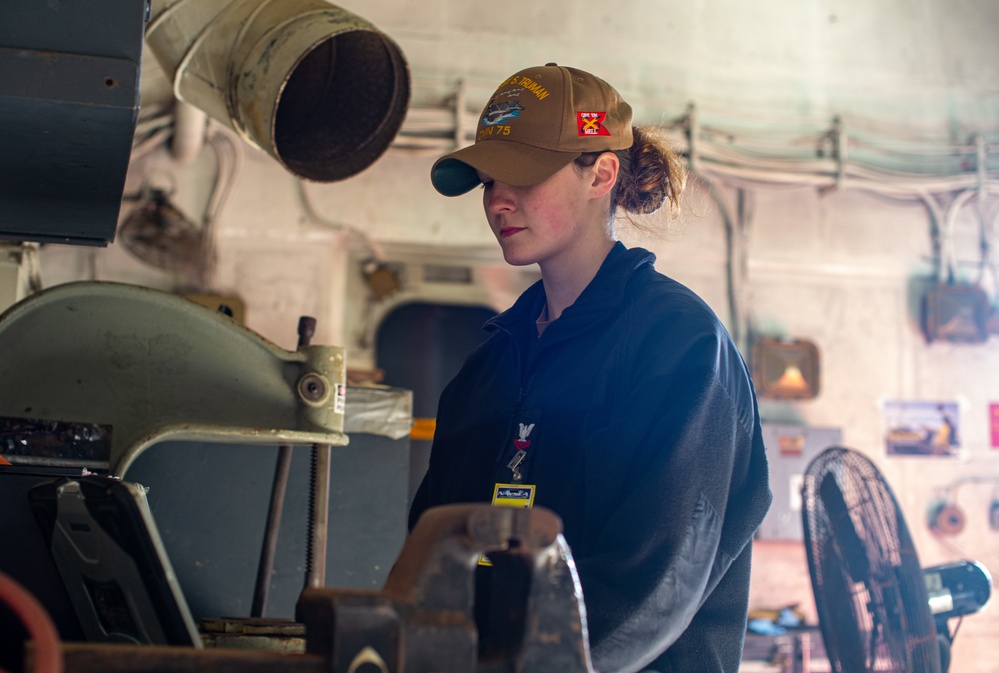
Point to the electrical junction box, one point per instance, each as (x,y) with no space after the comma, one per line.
(956,313)
(789,450)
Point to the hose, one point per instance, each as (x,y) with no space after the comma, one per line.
(48,649)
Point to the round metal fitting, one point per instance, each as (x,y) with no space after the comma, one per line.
(313,388)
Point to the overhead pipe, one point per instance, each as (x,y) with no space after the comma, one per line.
(189,130)
(314,86)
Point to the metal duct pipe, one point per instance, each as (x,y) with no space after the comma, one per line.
(189,129)
(316,87)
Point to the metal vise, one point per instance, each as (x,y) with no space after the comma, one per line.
(423,619)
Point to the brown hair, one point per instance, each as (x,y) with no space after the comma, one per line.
(651,173)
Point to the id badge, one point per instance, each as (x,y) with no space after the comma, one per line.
(511,495)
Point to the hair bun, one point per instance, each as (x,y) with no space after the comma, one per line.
(656,174)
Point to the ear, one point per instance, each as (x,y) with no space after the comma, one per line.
(604,172)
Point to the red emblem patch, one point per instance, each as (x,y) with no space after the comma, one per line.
(521,444)
(592,123)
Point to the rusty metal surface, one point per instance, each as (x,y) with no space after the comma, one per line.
(276,635)
(252,626)
(91,658)
(423,619)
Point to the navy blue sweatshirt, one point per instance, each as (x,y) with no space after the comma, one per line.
(646,442)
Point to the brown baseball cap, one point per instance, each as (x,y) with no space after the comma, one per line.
(538,121)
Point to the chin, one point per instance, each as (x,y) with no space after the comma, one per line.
(518,260)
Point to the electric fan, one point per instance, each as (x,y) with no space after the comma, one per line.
(875,612)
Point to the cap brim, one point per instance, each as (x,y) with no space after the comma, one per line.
(508,162)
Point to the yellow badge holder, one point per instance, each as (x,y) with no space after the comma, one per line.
(511,495)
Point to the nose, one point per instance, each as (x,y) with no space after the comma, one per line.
(498,197)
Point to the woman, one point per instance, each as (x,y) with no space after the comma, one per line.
(610,392)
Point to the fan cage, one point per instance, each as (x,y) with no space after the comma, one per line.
(867,582)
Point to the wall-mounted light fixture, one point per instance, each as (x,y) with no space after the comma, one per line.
(785,369)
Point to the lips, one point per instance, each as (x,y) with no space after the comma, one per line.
(506,232)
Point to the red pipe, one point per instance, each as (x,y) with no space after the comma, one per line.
(48,649)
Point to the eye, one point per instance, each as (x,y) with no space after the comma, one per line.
(486,184)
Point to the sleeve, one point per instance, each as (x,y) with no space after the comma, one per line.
(691,492)
(424,497)
(421,501)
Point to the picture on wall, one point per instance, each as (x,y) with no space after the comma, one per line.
(922,428)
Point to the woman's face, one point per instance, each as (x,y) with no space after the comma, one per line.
(544,222)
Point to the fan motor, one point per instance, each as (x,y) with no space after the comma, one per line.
(947,519)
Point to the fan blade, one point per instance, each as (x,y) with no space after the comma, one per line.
(848,543)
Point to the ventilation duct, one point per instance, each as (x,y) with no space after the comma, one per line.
(316,87)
